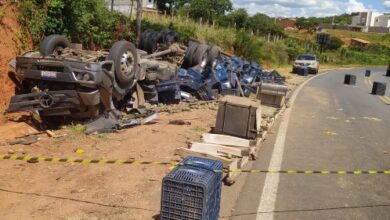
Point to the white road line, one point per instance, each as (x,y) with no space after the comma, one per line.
(268,196)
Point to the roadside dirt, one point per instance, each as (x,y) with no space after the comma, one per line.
(12,42)
(77,191)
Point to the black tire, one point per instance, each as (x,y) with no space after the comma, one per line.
(125,57)
(200,54)
(144,38)
(213,54)
(149,41)
(187,61)
(294,70)
(52,42)
(168,37)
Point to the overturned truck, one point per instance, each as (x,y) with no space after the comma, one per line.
(62,79)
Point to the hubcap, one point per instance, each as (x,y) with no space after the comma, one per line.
(127,63)
(46,101)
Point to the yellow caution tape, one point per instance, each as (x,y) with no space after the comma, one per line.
(172,165)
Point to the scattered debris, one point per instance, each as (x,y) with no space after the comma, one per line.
(28,140)
(112,121)
(179,122)
(50,133)
(79,151)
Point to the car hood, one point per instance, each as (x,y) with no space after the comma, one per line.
(305,61)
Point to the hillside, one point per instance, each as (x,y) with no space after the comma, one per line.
(12,42)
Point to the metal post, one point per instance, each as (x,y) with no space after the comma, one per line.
(112,5)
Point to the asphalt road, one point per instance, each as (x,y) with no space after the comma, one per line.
(330,126)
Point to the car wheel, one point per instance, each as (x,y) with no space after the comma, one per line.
(125,58)
(293,70)
(52,43)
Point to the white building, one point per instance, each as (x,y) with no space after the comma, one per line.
(365,20)
(124,6)
(382,21)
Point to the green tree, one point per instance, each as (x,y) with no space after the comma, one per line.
(309,24)
(264,24)
(208,10)
(166,5)
(238,17)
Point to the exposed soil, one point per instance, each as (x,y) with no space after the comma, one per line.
(10,45)
(77,191)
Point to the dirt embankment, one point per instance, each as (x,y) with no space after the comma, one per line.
(11,44)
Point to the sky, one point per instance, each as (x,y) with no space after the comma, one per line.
(307,8)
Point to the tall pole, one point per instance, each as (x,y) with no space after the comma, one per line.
(139,18)
(131,8)
(112,5)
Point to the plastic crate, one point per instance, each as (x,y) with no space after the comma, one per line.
(193,191)
(208,164)
(202,163)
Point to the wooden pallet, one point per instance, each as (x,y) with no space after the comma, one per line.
(233,152)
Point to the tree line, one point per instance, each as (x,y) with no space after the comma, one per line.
(221,13)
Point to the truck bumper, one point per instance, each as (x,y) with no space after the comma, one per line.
(54,102)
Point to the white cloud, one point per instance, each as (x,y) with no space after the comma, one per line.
(386,4)
(306,8)
(354,6)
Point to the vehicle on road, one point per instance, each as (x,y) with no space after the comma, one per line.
(308,61)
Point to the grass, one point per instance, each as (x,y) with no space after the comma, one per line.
(199,129)
(223,37)
(276,54)
(344,35)
(74,130)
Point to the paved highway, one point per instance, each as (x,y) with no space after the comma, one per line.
(330,126)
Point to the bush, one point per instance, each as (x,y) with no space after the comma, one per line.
(85,21)
(335,43)
(248,47)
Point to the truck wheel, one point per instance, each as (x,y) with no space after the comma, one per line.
(200,55)
(187,61)
(213,54)
(52,43)
(149,41)
(125,58)
(168,37)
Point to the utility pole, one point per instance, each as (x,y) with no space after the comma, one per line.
(139,18)
(112,5)
(131,8)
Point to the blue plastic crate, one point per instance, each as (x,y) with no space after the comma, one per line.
(202,163)
(192,192)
